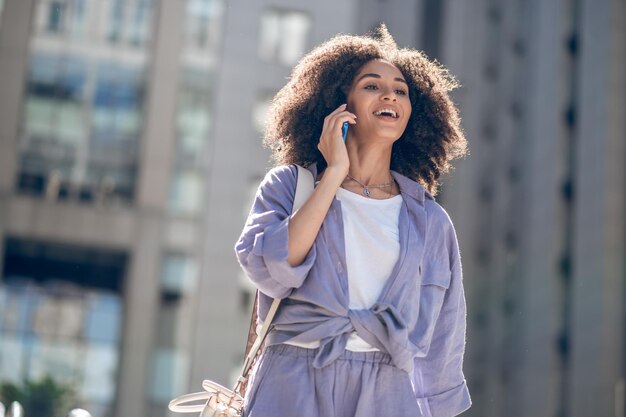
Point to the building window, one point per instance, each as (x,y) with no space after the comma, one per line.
(116,105)
(53,125)
(61,19)
(170,370)
(202,27)
(72,150)
(116,22)
(56,13)
(82,110)
(140,28)
(61,315)
(186,192)
(129,22)
(179,274)
(170,357)
(193,125)
(78,26)
(193,122)
(283,35)
(194,113)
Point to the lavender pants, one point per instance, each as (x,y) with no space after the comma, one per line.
(358,384)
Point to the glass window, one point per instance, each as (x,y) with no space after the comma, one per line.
(124,23)
(179,273)
(54,101)
(116,103)
(202,26)
(56,14)
(129,22)
(54,125)
(58,316)
(78,19)
(60,127)
(47,339)
(115,129)
(18,307)
(194,114)
(193,124)
(58,358)
(52,325)
(99,369)
(70,125)
(103,317)
(53,122)
(141,25)
(170,372)
(170,362)
(186,192)
(115,20)
(12,363)
(283,35)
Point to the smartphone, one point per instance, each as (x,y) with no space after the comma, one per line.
(344,130)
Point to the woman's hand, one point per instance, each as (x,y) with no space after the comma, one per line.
(305,223)
(331,143)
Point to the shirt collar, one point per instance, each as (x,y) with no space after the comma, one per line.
(411,187)
(407,186)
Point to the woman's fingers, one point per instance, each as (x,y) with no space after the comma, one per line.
(332,126)
(335,124)
(336,111)
(339,111)
(331,144)
(334,121)
(339,115)
(328,119)
(344,116)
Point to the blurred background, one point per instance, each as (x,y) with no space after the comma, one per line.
(130,153)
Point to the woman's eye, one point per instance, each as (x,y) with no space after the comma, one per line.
(399,91)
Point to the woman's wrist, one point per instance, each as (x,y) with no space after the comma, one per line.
(334,175)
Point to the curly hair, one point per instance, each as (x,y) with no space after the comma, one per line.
(320,82)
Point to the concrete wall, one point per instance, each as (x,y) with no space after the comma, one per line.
(539,203)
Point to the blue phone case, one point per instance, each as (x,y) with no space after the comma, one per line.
(344,130)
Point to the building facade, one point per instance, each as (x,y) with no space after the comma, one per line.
(116,211)
(539,203)
(130,153)
(107,108)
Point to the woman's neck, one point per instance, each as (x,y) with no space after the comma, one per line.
(369,164)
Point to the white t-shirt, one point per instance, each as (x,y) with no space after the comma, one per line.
(372,246)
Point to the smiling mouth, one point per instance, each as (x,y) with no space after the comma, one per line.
(386,113)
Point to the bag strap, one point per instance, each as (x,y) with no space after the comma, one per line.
(304,189)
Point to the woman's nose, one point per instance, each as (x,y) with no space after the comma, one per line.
(388,94)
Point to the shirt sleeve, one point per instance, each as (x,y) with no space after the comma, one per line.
(262,248)
(438,378)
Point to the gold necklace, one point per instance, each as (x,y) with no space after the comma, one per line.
(366,188)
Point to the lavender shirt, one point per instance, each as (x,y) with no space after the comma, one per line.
(420,316)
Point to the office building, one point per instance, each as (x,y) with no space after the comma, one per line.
(130,152)
(539,203)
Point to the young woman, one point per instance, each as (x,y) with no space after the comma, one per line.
(372,318)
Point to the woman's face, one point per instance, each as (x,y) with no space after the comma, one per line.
(379,97)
